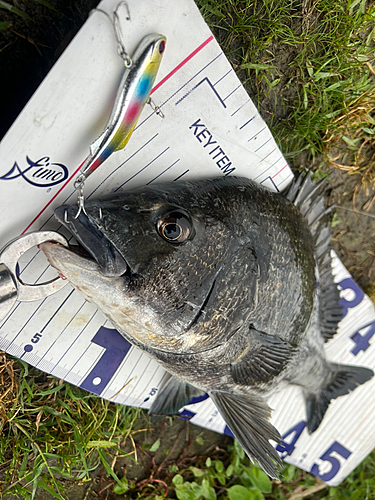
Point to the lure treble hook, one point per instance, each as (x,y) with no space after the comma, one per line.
(117,29)
(78,185)
(120,46)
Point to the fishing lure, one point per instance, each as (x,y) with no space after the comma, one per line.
(132,95)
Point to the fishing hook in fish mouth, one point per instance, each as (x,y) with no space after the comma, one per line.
(78,184)
(117,29)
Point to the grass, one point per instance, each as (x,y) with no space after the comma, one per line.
(309,66)
(53,434)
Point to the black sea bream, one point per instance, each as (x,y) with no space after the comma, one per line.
(227,285)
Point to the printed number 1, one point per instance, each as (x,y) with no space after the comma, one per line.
(116,348)
(327,457)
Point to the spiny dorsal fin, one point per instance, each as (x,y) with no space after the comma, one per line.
(172,396)
(262,360)
(247,417)
(309,199)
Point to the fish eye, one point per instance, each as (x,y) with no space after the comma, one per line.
(174,227)
(161,47)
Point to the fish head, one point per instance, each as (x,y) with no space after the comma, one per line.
(166,262)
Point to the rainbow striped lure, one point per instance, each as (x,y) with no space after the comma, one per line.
(132,95)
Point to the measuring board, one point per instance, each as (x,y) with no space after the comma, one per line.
(211,128)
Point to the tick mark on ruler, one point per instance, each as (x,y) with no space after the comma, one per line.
(207,80)
(174,163)
(255,135)
(248,121)
(244,104)
(260,147)
(179,177)
(233,91)
(142,169)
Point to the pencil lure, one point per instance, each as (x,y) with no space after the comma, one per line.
(132,95)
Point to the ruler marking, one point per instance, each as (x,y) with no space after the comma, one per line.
(179,177)
(182,63)
(233,91)
(182,86)
(140,378)
(92,365)
(222,78)
(260,147)
(257,133)
(57,310)
(240,107)
(79,359)
(260,175)
(130,374)
(75,340)
(268,155)
(279,171)
(248,121)
(154,179)
(62,332)
(142,169)
(122,164)
(206,79)
(286,178)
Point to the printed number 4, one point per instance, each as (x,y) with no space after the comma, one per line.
(285,448)
(327,457)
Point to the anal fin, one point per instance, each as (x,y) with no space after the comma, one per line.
(345,378)
(247,417)
(172,396)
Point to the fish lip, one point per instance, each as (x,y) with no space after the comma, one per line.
(92,242)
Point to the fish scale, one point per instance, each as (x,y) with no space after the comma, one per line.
(252,312)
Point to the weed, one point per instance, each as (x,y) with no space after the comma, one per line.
(310,68)
(54,434)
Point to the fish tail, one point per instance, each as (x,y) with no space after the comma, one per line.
(344,379)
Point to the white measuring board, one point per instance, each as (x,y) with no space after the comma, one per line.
(211,128)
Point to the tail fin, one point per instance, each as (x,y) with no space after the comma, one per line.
(345,378)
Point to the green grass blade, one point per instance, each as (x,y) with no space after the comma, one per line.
(12,8)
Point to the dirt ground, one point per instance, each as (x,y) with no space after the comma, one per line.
(25,58)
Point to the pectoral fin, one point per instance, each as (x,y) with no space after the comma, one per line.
(247,417)
(174,395)
(262,360)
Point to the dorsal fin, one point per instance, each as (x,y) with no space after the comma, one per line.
(309,199)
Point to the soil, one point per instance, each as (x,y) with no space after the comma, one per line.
(28,49)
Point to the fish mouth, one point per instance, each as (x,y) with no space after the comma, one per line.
(92,243)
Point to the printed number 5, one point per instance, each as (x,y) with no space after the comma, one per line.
(327,456)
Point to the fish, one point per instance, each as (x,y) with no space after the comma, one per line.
(225,283)
(133,93)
